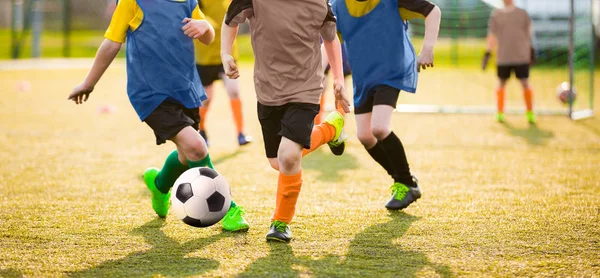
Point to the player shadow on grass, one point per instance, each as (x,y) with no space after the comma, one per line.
(10,273)
(328,164)
(222,158)
(167,257)
(372,253)
(533,134)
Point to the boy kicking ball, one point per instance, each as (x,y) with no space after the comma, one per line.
(163,86)
(383,63)
(287,76)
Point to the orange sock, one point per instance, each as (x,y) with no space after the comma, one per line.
(236,108)
(528,93)
(500,100)
(203,110)
(319,117)
(321,134)
(288,189)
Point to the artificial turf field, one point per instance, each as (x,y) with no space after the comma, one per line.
(499,200)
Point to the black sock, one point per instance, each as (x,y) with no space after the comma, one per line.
(393,149)
(378,154)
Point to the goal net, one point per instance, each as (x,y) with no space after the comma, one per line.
(457,84)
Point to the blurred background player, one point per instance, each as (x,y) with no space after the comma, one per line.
(165,90)
(288,77)
(510,28)
(347,73)
(383,63)
(210,69)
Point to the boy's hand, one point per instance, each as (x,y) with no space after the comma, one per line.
(340,95)
(231,69)
(425,59)
(195,28)
(81,93)
(486,59)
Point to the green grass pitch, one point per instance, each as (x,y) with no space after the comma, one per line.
(498,200)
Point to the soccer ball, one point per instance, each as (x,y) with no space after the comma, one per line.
(562,91)
(200,197)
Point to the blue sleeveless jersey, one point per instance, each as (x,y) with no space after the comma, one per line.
(379,49)
(160,58)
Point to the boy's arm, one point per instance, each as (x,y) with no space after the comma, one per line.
(491,37)
(237,13)
(228,35)
(198,27)
(433,17)
(333,48)
(491,42)
(106,54)
(115,35)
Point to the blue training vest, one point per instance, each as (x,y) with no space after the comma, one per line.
(379,49)
(160,58)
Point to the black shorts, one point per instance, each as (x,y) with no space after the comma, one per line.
(380,95)
(293,121)
(210,73)
(521,71)
(169,118)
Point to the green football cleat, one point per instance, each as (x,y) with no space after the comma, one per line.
(279,231)
(234,221)
(403,196)
(530,117)
(160,201)
(338,144)
(500,117)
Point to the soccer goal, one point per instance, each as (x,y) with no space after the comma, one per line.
(564,44)
(51,28)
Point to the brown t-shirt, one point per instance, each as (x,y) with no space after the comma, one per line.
(285,38)
(511,27)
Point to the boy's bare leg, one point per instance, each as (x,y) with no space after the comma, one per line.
(528,95)
(500,96)
(232,86)
(289,162)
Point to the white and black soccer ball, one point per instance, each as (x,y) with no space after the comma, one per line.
(200,197)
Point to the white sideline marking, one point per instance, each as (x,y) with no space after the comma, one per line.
(51,64)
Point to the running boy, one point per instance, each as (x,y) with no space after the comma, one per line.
(287,78)
(208,62)
(162,85)
(383,63)
(510,28)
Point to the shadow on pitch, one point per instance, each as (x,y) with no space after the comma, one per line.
(329,165)
(220,159)
(167,257)
(533,134)
(372,253)
(10,273)
(592,124)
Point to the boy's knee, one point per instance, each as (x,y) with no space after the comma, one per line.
(381,132)
(196,151)
(367,139)
(274,163)
(234,94)
(289,161)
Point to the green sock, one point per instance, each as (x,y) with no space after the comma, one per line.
(202,163)
(169,172)
(206,162)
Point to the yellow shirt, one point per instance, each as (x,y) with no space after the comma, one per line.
(129,16)
(360,8)
(215,13)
